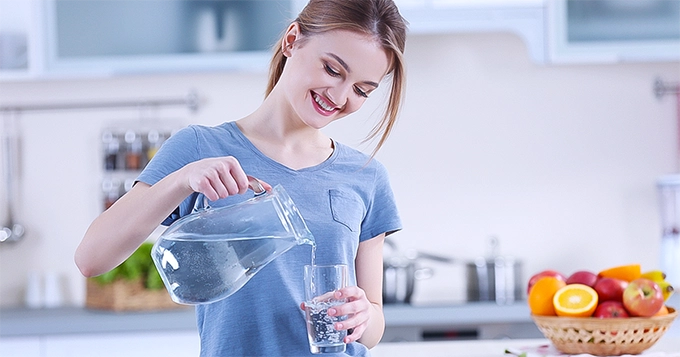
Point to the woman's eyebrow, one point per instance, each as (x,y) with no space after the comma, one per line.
(340,60)
(346,67)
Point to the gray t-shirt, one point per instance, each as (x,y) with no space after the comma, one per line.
(344,200)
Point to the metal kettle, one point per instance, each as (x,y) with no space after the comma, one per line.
(495,277)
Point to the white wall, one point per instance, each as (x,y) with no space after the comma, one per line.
(559,162)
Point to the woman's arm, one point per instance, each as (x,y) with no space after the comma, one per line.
(364,301)
(369,270)
(122,228)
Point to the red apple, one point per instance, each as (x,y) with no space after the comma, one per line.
(642,297)
(610,289)
(537,276)
(583,277)
(609,309)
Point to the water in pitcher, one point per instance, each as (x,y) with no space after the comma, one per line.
(197,270)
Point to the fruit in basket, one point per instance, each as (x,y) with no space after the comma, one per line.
(610,309)
(666,289)
(627,272)
(542,274)
(643,297)
(610,289)
(540,297)
(654,275)
(659,277)
(663,311)
(575,300)
(584,277)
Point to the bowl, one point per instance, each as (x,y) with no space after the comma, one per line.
(604,337)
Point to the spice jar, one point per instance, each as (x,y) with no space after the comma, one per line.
(111,189)
(155,140)
(111,150)
(133,154)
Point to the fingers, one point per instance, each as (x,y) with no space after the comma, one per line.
(354,334)
(356,310)
(258,185)
(217,177)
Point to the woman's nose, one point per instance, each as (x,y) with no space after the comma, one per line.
(340,95)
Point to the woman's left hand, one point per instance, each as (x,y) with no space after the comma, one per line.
(357,308)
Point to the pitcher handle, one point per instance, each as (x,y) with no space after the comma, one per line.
(256,186)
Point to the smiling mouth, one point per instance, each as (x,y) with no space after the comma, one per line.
(322,103)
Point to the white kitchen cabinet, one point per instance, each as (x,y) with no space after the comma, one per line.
(24,346)
(610,31)
(561,31)
(130,344)
(167,344)
(525,18)
(74,38)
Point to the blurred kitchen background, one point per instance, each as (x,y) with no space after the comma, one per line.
(513,127)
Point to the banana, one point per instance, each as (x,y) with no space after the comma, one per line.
(659,278)
(666,289)
(654,275)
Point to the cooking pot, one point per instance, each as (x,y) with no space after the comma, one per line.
(488,278)
(400,273)
(494,278)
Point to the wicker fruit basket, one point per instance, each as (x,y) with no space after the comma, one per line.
(127,295)
(604,337)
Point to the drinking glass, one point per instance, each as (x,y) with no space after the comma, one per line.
(321,281)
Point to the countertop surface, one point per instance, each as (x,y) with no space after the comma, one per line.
(23,321)
(73,320)
(667,346)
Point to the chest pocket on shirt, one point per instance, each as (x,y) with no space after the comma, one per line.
(347,208)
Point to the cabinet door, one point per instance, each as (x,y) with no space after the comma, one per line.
(20,346)
(613,30)
(143,36)
(166,344)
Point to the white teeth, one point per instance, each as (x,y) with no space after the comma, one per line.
(322,103)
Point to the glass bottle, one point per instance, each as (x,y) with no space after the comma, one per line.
(133,154)
(111,150)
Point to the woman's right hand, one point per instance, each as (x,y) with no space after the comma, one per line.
(218,177)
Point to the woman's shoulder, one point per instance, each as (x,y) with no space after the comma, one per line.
(202,132)
(209,129)
(357,158)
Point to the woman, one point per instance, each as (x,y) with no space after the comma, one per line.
(328,62)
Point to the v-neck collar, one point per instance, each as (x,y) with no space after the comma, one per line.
(244,139)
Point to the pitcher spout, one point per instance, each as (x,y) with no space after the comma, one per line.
(305,239)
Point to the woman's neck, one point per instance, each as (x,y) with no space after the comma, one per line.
(284,139)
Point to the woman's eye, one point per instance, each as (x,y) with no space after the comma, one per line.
(360,92)
(331,71)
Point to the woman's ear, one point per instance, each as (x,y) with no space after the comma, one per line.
(292,35)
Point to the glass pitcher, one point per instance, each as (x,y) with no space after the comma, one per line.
(210,254)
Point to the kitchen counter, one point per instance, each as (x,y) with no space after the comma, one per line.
(667,346)
(479,320)
(71,320)
(75,332)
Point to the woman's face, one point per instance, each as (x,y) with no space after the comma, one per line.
(330,75)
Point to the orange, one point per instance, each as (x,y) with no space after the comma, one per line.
(540,297)
(628,272)
(575,300)
(662,311)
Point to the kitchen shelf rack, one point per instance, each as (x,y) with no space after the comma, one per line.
(192,101)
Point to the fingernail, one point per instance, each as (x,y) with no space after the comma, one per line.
(331,312)
(339,327)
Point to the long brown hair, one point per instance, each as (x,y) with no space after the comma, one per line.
(377,18)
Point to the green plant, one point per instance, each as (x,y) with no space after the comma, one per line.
(138,266)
